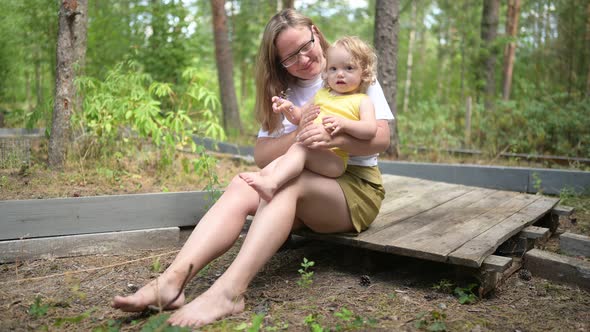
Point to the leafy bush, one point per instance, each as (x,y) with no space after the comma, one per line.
(127,105)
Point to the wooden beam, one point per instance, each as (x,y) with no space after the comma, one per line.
(536,233)
(494,263)
(574,244)
(562,210)
(69,216)
(88,244)
(558,268)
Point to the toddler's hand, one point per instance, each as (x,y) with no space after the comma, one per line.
(333,124)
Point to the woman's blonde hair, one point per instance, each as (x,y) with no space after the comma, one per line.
(271,77)
(363,55)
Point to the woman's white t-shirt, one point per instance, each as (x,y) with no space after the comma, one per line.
(303,91)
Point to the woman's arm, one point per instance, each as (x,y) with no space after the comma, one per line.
(268,149)
(315,136)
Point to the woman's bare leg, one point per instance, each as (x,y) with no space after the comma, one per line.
(317,200)
(215,233)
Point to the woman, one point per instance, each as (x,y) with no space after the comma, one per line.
(290,56)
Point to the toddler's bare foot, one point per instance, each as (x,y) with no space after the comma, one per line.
(210,306)
(262,184)
(157,293)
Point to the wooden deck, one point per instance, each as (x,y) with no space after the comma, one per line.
(444,222)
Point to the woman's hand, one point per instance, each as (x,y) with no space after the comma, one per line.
(315,136)
(309,112)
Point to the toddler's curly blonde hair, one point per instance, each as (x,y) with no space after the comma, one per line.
(363,55)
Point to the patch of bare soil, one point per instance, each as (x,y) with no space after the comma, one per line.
(351,288)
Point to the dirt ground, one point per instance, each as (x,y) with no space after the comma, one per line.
(351,289)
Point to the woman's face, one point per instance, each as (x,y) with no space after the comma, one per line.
(308,65)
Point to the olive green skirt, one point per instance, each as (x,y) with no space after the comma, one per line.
(363,189)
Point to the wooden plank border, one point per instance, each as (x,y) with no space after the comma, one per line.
(530,180)
(88,244)
(21,219)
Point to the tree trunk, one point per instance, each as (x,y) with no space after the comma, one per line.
(38,79)
(223,57)
(588,48)
(288,4)
(80,42)
(489,30)
(64,84)
(511,30)
(410,58)
(385,41)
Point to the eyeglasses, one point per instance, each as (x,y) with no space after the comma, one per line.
(306,48)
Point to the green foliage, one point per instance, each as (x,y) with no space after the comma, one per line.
(156,265)
(254,326)
(158,323)
(432,321)
(306,276)
(466,295)
(38,309)
(73,320)
(129,99)
(351,321)
(311,322)
(444,286)
(110,326)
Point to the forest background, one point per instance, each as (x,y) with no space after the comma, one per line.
(158,57)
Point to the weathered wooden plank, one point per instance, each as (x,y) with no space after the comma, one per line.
(87,244)
(536,233)
(473,252)
(441,238)
(574,244)
(452,209)
(558,268)
(563,210)
(68,216)
(402,209)
(518,179)
(413,195)
(398,186)
(494,263)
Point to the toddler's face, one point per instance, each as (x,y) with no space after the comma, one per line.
(342,73)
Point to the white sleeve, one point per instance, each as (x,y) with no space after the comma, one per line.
(382,110)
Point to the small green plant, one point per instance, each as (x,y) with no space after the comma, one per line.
(110,326)
(311,322)
(351,320)
(156,265)
(433,321)
(158,323)
(306,275)
(75,319)
(254,326)
(465,294)
(444,286)
(38,309)
(537,183)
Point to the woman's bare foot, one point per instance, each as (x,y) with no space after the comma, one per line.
(157,293)
(265,187)
(210,306)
